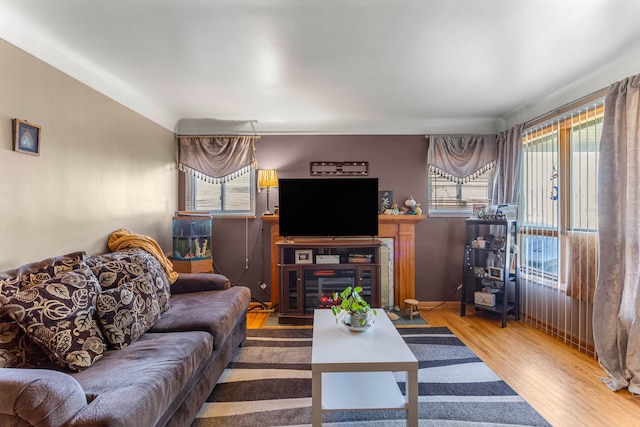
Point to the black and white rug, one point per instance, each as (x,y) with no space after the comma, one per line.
(268,383)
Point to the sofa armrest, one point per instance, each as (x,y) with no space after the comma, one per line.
(40,397)
(197,282)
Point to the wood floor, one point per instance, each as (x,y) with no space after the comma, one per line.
(561,383)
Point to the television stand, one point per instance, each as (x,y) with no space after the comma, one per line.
(312,270)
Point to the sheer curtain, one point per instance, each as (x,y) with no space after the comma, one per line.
(217,159)
(616,322)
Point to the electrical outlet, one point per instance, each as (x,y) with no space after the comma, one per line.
(263,286)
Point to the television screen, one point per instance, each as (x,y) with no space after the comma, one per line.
(328,207)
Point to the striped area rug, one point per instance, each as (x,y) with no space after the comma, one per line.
(268,383)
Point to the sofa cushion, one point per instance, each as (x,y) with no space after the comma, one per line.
(216,312)
(59,316)
(17,349)
(127,312)
(40,397)
(134,386)
(116,268)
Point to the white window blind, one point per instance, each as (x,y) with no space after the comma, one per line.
(558,223)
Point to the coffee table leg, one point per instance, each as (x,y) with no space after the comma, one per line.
(412,398)
(316,399)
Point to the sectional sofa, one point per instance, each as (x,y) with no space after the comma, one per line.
(108,341)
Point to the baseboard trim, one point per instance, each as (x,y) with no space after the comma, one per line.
(428,305)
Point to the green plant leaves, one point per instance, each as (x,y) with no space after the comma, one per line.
(350,301)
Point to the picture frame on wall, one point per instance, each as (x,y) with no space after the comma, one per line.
(26,137)
(304,256)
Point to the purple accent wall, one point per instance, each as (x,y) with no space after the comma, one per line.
(398,161)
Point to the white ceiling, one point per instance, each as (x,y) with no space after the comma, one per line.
(334,66)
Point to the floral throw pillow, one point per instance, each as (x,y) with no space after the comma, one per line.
(17,349)
(116,268)
(39,272)
(127,312)
(59,316)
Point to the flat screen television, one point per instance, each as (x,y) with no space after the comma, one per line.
(328,207)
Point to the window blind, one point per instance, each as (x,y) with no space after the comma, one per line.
(558,223)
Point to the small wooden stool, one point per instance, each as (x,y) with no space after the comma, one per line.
(412,308)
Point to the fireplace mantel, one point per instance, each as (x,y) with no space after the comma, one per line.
(401,228)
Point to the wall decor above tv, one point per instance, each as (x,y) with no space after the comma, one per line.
(328,207)
(339,168)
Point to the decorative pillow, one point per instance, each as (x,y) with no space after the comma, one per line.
(39,272)
(17,349)
(116,268)
(127,312)
(58,315)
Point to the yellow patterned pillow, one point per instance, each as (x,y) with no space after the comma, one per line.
(59,316)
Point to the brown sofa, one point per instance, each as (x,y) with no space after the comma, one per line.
(158,361)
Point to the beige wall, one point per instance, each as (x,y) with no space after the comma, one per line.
(101,166)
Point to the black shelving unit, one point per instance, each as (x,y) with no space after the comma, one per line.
(487,285)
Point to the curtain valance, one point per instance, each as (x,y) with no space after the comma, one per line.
(461,158)
(217,159)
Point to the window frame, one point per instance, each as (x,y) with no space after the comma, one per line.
(191,183)
(457,213)
(564,127)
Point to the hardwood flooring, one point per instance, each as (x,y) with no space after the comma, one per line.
(560,382)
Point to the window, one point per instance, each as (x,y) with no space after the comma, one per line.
(585,147)
(559,196)
(235,197)
(448,198)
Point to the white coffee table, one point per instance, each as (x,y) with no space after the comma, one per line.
(354,370)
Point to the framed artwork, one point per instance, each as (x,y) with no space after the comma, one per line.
(304,256)
(26,137)
(339,168)
(385,200)
(478,209)
(495,273)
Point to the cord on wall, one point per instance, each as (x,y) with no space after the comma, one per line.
(246,243)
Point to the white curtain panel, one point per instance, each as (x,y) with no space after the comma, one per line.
(616,311)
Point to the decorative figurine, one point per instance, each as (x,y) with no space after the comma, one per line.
(410,203)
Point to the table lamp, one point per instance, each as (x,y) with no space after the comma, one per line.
(267,178)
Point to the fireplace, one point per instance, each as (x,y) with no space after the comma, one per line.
(399,229)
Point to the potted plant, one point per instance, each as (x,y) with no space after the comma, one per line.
(351,302)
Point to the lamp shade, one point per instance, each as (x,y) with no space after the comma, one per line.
(267,178)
